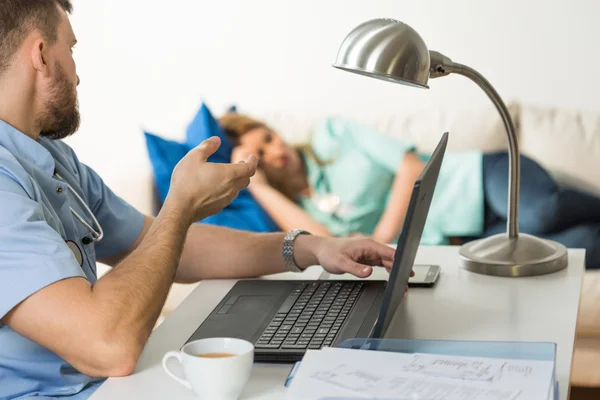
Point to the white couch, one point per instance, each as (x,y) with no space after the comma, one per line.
(567,143)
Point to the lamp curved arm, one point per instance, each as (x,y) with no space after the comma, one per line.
(442,65)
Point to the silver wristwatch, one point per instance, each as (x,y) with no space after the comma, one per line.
(288,249)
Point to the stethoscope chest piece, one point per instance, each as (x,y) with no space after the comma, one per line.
(329,203)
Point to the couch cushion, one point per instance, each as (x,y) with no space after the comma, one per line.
(567,143)
(586,356)
(470,129)
(588,320)
(477,128)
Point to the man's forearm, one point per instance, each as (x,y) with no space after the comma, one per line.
(132,294)
(213,252)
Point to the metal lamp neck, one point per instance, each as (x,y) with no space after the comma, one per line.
(442,66)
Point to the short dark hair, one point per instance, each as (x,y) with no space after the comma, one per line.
(18,18)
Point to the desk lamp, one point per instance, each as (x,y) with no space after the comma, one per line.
(392,51)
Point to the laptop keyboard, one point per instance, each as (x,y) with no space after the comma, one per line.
(311,316)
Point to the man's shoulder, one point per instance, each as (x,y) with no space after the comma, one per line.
(13,175)
(6,157)
(10,164)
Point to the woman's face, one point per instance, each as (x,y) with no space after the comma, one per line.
(276,158)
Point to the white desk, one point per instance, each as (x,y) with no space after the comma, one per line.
(462,306)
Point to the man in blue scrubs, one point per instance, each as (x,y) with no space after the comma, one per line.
(62,330)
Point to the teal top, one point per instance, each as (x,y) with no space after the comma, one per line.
(351,186)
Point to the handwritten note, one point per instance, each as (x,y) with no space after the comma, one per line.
(454,367)
(372,385)
(357,374)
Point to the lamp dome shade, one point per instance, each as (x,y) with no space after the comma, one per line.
(386,49)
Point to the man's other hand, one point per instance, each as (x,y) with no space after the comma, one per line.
(354,256)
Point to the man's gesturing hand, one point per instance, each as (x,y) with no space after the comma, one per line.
(201,188)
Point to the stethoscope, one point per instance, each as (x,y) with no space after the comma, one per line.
(96,234)
(328,203)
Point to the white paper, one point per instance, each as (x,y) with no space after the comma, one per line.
(359,374)
(467,368)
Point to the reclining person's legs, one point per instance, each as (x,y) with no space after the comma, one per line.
(544,207)
(581,237)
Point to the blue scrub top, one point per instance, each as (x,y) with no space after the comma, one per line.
(35,223)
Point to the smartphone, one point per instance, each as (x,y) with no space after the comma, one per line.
(425,275)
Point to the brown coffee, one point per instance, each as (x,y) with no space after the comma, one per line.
(215,355)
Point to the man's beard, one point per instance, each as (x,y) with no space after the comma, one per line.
(61,117)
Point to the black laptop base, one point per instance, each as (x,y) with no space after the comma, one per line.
(283,319)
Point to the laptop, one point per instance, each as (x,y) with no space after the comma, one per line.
(283,319)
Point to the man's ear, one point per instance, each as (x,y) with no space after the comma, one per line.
(39,57)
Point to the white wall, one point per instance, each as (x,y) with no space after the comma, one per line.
(149,63)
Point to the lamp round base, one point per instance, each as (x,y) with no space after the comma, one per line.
(525,255)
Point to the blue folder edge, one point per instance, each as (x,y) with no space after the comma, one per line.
(537,351)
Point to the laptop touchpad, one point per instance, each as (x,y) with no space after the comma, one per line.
(246,311)
(250,304)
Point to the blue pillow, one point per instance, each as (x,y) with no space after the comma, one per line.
(244,212)
(205,126)
(164,156)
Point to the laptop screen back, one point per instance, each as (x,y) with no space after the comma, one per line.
(408,242)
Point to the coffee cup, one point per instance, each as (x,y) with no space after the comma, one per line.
(215,369)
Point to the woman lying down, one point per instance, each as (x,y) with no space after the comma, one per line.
(352,180)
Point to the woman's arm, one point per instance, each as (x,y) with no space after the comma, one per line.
(392,219)
(287,214)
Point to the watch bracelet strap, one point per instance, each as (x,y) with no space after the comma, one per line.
(288,249)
